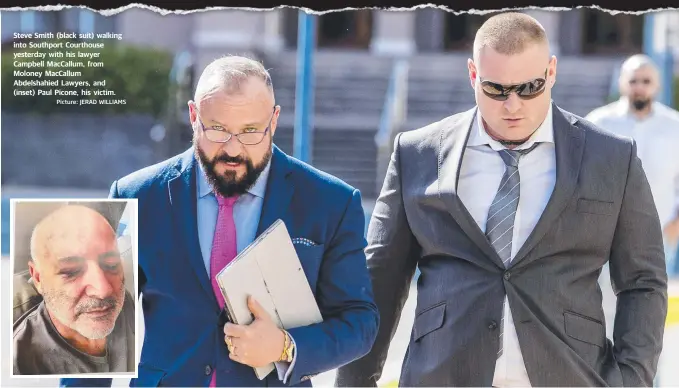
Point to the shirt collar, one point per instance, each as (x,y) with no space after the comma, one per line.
(479,136)
(258,189)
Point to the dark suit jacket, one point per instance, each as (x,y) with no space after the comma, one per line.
(184,339)
(601,211)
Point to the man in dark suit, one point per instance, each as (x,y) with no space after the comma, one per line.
(198,209)
(510,210)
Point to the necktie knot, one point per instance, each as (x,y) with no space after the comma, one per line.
(511,157)
(226,201)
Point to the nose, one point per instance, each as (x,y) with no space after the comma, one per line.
(232,147)
(512,104)
(639,89)
(97,283)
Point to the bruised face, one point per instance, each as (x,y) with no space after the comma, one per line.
(531,74)
(249,116)
(79,271)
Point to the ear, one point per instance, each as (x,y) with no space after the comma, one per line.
(274,120)
(471,67)
(193,113)
(35,274)
(656,85)
(551,73)
(622,84)
(657,89)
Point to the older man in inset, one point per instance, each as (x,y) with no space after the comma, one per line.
(85,323)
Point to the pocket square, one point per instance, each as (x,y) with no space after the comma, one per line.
(304,241)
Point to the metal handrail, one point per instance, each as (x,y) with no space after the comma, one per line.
(613,86)
(395,103)
(393,117)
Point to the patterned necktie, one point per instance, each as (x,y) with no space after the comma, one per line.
(500,222)
(224,249)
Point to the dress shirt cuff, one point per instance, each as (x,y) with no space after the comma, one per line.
(284,368)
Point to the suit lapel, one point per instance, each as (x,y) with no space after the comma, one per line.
(454,138)
(278,192)
(569,142)
(183,200)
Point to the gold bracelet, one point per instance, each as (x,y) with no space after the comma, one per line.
(286,356)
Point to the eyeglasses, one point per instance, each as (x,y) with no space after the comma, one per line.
(525,91)
(219,134)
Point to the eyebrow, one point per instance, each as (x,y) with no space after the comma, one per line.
(482,79)
(511,83)
(108,254)
(251,124)
(79,259)
(71,260)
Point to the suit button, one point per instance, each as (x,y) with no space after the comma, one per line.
(492,325)
(507,275)
(208,370)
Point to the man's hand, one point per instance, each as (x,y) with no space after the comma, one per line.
(257,344)
(671,231)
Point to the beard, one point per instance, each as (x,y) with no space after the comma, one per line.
(228,184)
(640,103)
(70,312)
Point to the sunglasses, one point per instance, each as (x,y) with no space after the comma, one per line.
(526,91)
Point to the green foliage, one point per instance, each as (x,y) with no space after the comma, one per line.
(140,76)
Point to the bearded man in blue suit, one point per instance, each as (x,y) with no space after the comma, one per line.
(231,185)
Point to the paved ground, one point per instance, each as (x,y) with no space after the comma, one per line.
(397,350)
(668,375)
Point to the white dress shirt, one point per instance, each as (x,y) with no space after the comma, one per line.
(657,138)
(480,175)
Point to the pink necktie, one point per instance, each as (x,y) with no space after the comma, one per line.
(224,249)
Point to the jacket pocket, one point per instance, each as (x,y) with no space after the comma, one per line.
(593,206)
(585,329)
(149,376)
(429,320)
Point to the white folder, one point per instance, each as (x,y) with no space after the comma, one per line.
(269,270)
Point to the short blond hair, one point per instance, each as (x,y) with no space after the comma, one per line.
(509,33)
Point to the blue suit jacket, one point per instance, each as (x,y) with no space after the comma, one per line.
(184,338)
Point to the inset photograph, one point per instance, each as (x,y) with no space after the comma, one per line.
(74,287)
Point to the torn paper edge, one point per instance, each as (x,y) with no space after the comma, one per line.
(164,12)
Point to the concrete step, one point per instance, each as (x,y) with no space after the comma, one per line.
(343,86)
(346,157)
(357,165)
(335,63)
(365,175)
(349,121)
(365,185)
